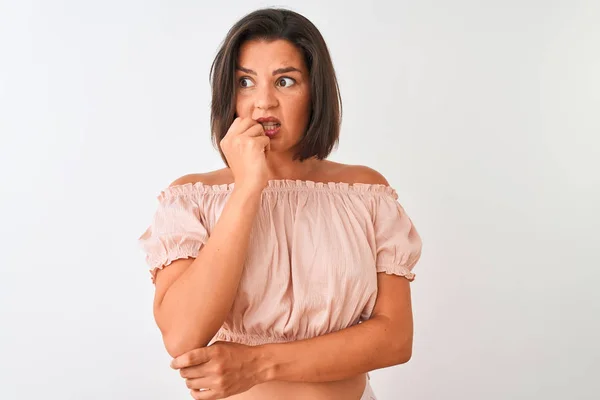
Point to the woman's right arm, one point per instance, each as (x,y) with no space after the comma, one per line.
(194,296)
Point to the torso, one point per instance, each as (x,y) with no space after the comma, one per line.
(347,389)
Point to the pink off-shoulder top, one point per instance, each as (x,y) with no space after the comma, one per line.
(314,254)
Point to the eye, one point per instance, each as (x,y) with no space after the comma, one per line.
(286,81)
(245,82)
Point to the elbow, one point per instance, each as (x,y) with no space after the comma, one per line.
(171,340)
(174,347)
(403,351)
(179,340)
(177,345)
(404,355)
(399,338)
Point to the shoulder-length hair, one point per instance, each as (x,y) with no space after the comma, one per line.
(322,133)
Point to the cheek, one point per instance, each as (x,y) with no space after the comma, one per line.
(300,109)
(304,101)
(243,106)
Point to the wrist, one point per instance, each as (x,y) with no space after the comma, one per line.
(266,364)
(247,190)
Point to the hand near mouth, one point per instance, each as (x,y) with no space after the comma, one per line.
(271,125)
(244,146)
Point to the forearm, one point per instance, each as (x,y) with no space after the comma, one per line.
(197,302)
(371,345)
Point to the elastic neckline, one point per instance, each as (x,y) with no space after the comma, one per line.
(283,185)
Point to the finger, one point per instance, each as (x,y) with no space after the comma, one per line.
(205,395)
(195,371)
(265,142)
(235,122)
(193,357)
(256,130)
(198,383)
(241,125)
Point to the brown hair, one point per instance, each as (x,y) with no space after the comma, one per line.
(322,133)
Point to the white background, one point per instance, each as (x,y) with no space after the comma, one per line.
(484,115)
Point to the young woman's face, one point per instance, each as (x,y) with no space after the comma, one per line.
(272,81)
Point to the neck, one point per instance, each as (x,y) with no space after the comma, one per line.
(281,166)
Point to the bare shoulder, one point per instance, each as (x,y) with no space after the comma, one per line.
(369,175)
(217,177)
(356,174)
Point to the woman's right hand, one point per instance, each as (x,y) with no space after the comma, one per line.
(244,147)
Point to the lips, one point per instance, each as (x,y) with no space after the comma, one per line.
(271,130)
(271,125)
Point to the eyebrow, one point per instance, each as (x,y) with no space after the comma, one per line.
(276,72)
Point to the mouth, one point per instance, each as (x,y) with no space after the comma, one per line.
(271,125)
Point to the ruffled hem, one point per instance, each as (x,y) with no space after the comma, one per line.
(157,263)
(248,339)
(396,270)
(281,185)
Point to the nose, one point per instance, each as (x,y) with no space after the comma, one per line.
(265,98)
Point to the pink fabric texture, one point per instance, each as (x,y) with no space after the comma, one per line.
(315,251)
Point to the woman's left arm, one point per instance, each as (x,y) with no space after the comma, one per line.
(382,341)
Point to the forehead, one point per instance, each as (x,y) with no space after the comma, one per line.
(270,55)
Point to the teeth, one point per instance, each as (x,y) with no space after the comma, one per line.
(270,125)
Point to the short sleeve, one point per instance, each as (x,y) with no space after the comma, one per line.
(398,244)
(176,230)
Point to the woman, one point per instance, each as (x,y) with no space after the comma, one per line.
(283,275)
